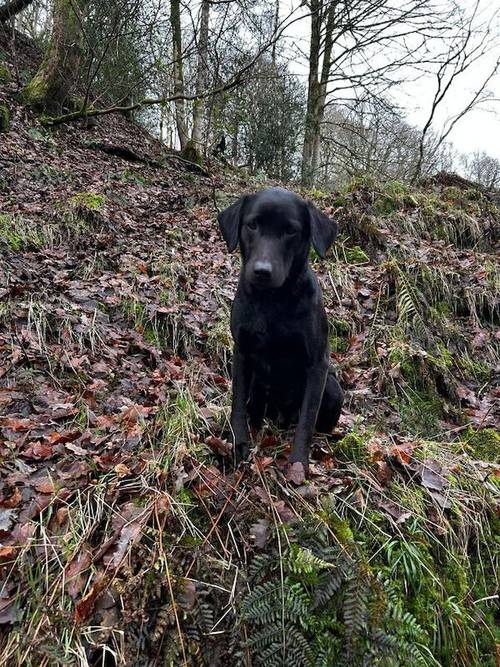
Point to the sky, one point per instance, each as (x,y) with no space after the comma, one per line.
(478,130)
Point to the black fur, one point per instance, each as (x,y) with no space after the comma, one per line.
(281,366)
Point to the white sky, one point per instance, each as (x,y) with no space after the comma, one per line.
(479,130)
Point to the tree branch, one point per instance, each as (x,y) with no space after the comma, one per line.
(12,8)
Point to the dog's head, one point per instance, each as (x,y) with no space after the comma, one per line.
(274,229)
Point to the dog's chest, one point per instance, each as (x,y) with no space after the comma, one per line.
(271,332)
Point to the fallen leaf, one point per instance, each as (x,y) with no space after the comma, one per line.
(121,470)
(128,536)
(44,485)
(187,595)
(219,446)
(85,607)
(38,450)
(284,511)
(259,532)
(13,500)
(383,473)
(9,611)
(432,475)
(74,581)
(296,473)
(403,453)
(394,510)
(7,517)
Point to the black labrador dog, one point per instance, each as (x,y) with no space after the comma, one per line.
(281,366)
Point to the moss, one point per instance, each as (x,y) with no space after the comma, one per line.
(4,117)
(353,447)
(341,327)
(338,344)
(19,234)
(89,200)
(5,75)
(340,330)
(35,92)
(192,154)
(356,255)
(484,444)
(419,412)
(474,368)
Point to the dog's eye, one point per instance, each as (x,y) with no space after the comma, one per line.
(291,231)
(252,225)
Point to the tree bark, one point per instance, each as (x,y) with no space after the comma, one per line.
(197,136)
(180,104)
(12,8)
(51,86)
(311,123)
(322,26)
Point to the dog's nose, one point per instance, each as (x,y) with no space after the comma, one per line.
(262,270)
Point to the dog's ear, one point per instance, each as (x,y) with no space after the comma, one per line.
(229,222)
(323,230)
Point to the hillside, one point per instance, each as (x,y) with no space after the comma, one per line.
(126,536)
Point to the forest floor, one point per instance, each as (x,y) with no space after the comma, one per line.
(126,536)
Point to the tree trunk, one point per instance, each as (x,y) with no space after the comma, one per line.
(51,86)
(317,87)
(12,8)
(180,104)
(275,30)
(311,130)
(197,136)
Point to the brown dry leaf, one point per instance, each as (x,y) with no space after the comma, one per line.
(403,453)
(432,474)
(61,516)
(261,463)
(62,436)
(85,607)
(128,536)
(74,581)
(383,473)
(15,424)
(133,413)
(44,485)
(284,511)
(219,446)
(38,450)
(394,510)
(76,449)
(105,421)
(376,449)
(121,470)
(9,612)
(187,594)
(259,532)
(296,473)
(269,441)
(13,500)
(7,553)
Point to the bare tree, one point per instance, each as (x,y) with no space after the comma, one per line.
(360,47)
(178,83)
(197,137)
(10,9)
(52,84)
(483,169)
(473,41)
(372,137)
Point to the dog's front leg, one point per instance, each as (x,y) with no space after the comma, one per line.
(315,385)
(241,386)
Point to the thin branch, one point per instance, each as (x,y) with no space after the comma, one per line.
(12,8)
